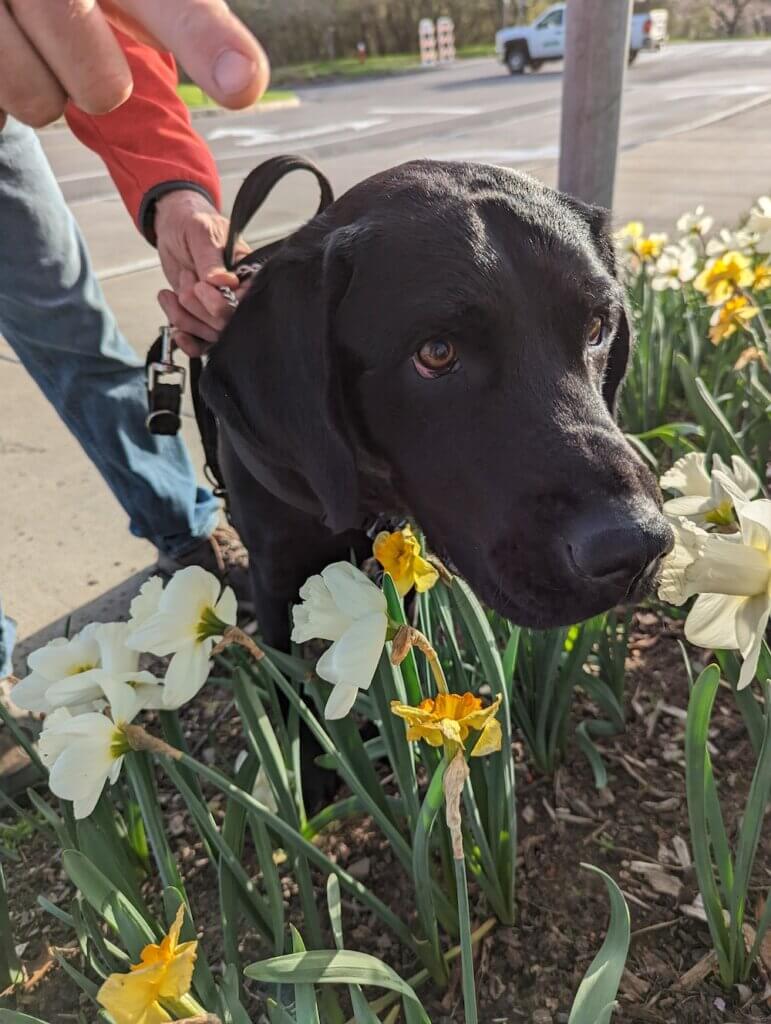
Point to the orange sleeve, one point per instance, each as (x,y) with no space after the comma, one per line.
(148,143)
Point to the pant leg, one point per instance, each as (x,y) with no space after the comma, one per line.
(55,317)
(7,638)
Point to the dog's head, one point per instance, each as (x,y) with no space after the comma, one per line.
(448,340)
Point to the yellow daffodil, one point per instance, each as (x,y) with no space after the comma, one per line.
(449,717)
(723,276)
(650,247)
(762,278)
(165,972)
(399,554)
(730,317)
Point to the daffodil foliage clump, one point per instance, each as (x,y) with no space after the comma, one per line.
(701,305)
(437,779)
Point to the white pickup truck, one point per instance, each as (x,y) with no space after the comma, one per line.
(529,46)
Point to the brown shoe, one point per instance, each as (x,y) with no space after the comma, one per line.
(221,553)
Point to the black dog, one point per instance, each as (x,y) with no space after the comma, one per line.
(445,341)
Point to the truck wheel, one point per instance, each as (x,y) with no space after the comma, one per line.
(516,60)
(633,56)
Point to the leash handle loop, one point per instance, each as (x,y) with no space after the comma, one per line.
(256,188)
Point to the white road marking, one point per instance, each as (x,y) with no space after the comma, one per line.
(505,156)
(427,111)
(249,137)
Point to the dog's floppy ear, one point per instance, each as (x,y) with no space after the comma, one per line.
(274,379)
(599,221)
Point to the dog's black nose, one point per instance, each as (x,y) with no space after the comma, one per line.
(617,549)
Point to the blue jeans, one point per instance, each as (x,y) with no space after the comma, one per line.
(54,316)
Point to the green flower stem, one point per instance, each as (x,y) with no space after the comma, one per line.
(466,944)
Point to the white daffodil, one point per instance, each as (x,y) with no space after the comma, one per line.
(81,754)
(759,223)
(675,266)
(193,613)
(117,671)
(77,658)
(695,223)
(705,498)
(732,576)
(344,606)
(731,241)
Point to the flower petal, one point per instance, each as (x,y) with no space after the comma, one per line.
(188,591)
(711,621)
(341,700)
(750,631)
(354,593)
(227,606)
(352,660)
(318,616)
(130,999)
(146,602)
(115,655)
(688,475)
(31,693)
(186,674)
(163,633)
(490,739)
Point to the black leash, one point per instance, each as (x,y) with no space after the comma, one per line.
(165,377)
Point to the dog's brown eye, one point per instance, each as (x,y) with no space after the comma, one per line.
(596,331)
(435,357)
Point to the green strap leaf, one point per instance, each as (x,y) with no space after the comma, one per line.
(324,967)
(596,996)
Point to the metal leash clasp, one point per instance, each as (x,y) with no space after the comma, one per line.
(165,385)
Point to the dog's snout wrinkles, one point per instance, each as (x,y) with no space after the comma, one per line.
(613,550)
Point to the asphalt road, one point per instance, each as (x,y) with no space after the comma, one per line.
(695,129)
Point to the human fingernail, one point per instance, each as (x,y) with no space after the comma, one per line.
(233,72)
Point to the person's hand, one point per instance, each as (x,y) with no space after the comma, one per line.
(52,52)
(191,237)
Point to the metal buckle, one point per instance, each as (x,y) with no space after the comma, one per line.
(169,377)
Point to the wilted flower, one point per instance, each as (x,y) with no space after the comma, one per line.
(81,754)
(76,659)
(751,354)
(759,222)
(449,717)
(164,972)
(705,498)
(695,223)
(193,613)
(732,316)
(732,576)
(675,266)
(344,606)
(723,276)
(399,554)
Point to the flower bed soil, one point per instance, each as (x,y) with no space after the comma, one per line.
(637,830)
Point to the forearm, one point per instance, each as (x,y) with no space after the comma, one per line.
(148,144)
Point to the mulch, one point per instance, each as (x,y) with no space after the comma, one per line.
(636,830)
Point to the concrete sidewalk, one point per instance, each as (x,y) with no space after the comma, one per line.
(65,549)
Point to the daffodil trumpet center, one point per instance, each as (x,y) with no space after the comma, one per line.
(119,744)
(722,514)
(210,625)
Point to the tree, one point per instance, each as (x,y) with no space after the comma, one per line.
(730,14)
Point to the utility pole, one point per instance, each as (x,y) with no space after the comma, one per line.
(596,55)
